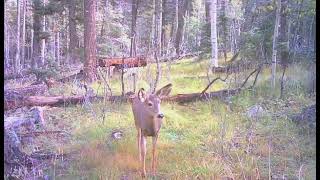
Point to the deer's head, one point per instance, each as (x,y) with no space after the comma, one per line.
(151,102)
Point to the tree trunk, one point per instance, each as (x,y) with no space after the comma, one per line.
(311,38)
(36,34)
(224,28)
(73,37)
(31,49)
(157,39)
(283,34)
(205,35)
(134,12)
(7,43)
(163,25)
(23,34)
(157,23)
(175,22)
(283,40)
(90,39)
(57,48)
(295,39)
(282,82)
(181,19)
(274,43)
(17,57)
(214,40)
(43,43)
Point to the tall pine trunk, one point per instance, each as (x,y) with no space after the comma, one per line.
(283,40)
(224,28)
(90,39)
(7,42)
(134,12)
(17,57)
(157,38)
(43,42)
(23,34)
(181,21)
(37,24)
(274,44)
(158,22)
(73,37)
(214,40)
(163,25)
(176,21)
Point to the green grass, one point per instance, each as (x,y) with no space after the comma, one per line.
(207,140)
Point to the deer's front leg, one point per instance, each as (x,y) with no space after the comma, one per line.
(143,153)
(139,142)
(154,143)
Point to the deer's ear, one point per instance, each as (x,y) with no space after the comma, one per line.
(164,91)
(141,94)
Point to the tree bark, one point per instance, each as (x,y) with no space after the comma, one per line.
(157,23)
(67,100)
(175,22)
(37,24)
(7,43)
(43,42)
(73,37)
(283,39)
(23,34)
(90,39)
(224,28)
(163,26)
(274,44)
(57,47)
(134,13)
(181,18)
(17,57)
(45,101)
(214,40)
(184,98)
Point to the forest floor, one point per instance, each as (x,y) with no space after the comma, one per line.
(200,140)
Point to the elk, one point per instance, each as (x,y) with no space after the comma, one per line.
(148,119)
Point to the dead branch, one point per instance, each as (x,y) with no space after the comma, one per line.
(218,78)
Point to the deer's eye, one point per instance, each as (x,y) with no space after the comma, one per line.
(150,104)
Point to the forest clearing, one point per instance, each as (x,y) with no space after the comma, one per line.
(237,89)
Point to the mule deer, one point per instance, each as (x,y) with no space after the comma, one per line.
(148,119)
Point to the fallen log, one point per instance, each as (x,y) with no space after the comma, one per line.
(31,90)
(183,98)
(14,75)
(117,62)
(64,101)
(46,101)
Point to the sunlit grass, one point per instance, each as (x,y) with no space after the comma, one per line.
(207,140)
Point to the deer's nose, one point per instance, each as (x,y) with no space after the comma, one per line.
(160,116)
